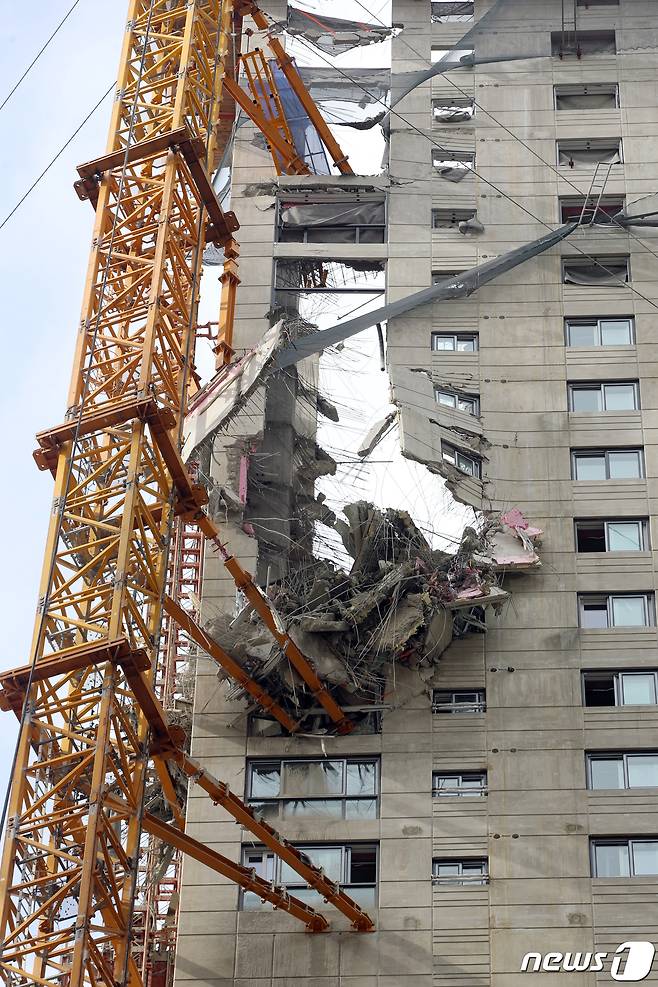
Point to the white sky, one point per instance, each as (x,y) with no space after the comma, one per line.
(43,256)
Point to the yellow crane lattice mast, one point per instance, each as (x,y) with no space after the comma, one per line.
(90,719)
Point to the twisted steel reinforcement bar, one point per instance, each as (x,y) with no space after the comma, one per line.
(90,719)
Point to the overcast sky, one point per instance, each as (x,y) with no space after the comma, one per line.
(43,256)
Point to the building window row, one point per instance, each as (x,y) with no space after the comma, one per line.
(579,333)
(342,788)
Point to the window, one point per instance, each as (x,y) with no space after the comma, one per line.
(458,701)
(618,396)
(352,865)
(449,219)
(638,688)
(439,276)
(445,11)
(455,109)
(468,871)
(448,342)
(586,43)
(469,784)
(624,858)
(607,464)
(598,611)
(453,166)
(605,271)
(636,770)
(597,3)
(596,96)
(455,56)
(343,788)
(611,536)
(460,460)
(600,332)
(572,207)
(588,153)
(461,402)
(369,722)
(336,220)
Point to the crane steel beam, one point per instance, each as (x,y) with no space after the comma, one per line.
(244,876)
(229,664)
(287,66)
(313,875)
(68,868)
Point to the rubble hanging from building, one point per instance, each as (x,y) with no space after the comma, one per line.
(402,602)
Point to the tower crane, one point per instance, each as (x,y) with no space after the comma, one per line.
(89,698)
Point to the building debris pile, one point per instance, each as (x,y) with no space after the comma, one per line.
(402,601)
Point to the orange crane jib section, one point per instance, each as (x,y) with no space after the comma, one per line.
(93,729)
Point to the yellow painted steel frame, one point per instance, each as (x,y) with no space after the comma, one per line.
(68,866)
(91,718)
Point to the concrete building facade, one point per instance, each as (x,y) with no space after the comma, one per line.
(511,808)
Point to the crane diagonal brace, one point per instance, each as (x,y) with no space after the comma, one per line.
(229,664)
(244,876)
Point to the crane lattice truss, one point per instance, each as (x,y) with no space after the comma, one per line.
(92,722)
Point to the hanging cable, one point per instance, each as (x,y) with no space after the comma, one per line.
(58,155)
(38,55)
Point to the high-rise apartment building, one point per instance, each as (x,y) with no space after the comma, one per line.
(511,807)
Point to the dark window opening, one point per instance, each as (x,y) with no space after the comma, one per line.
(340,220)
(308,275)
(439,276)
(454,166)
(588,153)
(367,723)
(574,207)
(599,689)
(586,4)
(596,96)
(453,109)
(583,43)
(449,219)
(604,271)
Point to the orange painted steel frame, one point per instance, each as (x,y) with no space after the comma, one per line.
(91,718)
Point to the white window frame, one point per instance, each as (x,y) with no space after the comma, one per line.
(343,798)
(601,386)
(609,598)
(618,684)
(589,453)
(461,701)
(467,874)
(471,337)
(642,524)
(577,89)
(464,462)
(598,323)
(272,869)
(458,789)
(629,843)
(621,756)
(468,403)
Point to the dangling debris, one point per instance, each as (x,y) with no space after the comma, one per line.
(401,602)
